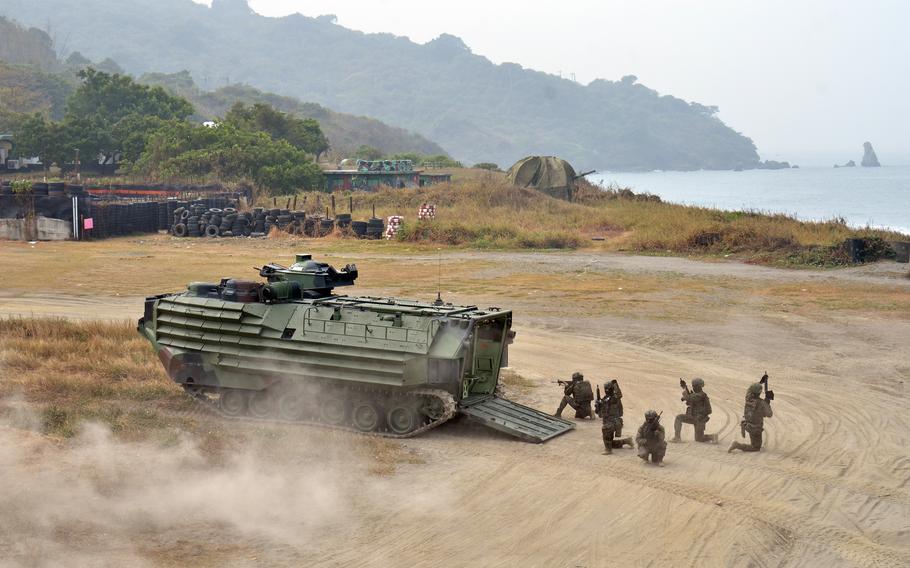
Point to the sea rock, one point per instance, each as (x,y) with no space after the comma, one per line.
(870,160)
(772,165)
(850,164)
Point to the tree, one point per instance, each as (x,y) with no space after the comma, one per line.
(413,156)
(367,153)
(50,141)
(112,97)
(302,133)
(441,161)
(111,114)
(229,153)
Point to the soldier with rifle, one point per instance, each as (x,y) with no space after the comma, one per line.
(650,439)
(609,408)
(578,394)
(698,411)
(754,413)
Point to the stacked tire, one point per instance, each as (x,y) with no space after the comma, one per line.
(375,228)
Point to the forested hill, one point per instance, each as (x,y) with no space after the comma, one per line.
(477,110)
(33,79)
(346,132)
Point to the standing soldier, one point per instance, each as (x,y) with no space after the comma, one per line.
(578,394)
(609,408)
(698,412)
(650,439)
(754,414)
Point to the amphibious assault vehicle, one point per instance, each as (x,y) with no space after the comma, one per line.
(289,349)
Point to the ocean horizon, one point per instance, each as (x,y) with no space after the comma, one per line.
(873,197)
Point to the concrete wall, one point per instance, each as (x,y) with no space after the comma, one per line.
(39,229)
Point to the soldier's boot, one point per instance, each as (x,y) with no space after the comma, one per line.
(608,450)
(677,429)
(562,406)
(624,441)
(676,439)
(709,438)
(736,446)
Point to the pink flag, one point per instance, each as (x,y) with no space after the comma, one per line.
(88,223)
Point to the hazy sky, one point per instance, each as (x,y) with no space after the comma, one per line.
(808,80)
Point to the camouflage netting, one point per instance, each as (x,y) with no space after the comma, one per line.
(549,174)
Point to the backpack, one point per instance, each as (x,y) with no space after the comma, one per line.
(583,392)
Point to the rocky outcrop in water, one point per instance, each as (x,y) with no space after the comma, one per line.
(850,164)
(772,165)
(870,160)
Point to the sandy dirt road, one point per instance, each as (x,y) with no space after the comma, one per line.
(831,488)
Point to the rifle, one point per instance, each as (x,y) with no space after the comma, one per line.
(598,403)
(560,382)
(769,394)
(686,392)
(649,433)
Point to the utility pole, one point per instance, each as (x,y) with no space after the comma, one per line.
(78,177)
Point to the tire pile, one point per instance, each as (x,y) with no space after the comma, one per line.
(427,211)
(372,229)
(197,220)
(117,219)
(394,224)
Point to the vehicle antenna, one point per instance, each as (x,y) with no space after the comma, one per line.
(438,301)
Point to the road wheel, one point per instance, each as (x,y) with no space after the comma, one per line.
(233,402)
(402,417)
(292,406)
(262,404)
(366,416)
(334,410)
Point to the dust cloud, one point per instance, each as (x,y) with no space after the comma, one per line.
(97,501)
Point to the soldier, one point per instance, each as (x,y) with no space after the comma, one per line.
(579,395)
(609,408)
(754,414)
(650,439)
(698,412)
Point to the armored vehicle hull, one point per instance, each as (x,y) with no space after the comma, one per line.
(290,350)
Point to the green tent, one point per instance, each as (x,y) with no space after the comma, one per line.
(549,174)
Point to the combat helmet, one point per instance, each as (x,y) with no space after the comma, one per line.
(577,376)
(698,384)
(651,415)
(754,389)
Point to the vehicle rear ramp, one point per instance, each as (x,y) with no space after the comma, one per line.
(515,419)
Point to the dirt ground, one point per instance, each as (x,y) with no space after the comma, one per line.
(831,487)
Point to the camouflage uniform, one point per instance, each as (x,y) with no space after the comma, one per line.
(650,439)
(754,413)
(610,410)
(698,412)
(579,395)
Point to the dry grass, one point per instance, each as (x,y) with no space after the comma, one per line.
(72,372)
(85,370)
(484,211)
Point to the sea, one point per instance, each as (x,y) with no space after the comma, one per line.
(874,197)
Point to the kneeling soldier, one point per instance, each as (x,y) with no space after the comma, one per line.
(650,439)
(609,408)
(754,414)
(578,394)
(698,412)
